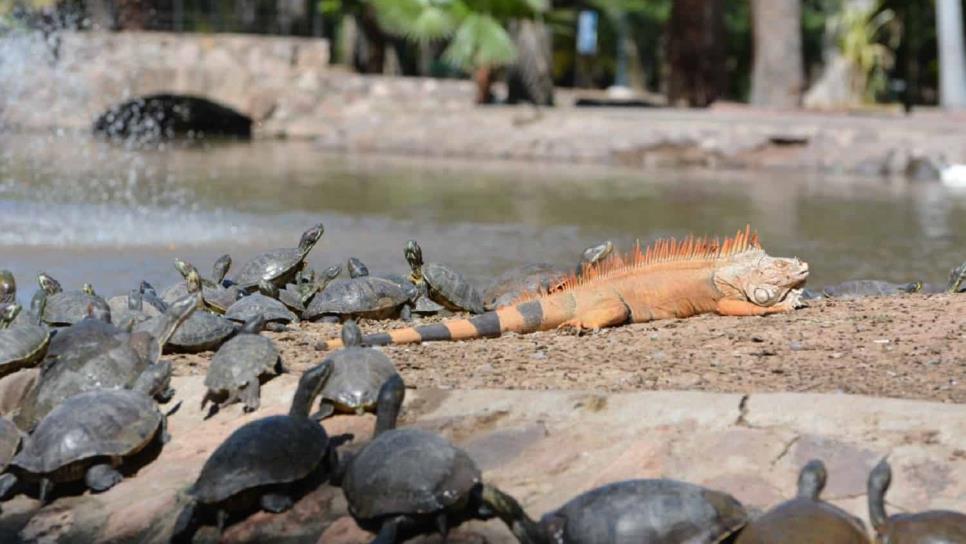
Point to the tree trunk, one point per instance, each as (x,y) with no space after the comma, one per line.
(483,76)
(370,54)
(952,59)
(529,78)
(696,52)
(777,78)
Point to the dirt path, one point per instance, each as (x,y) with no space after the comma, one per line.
(913,346)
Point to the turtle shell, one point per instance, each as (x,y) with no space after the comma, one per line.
(102,422)
(239,361)
(803,520)
(271,450)
(22,344)
(366,295)
(657,511)
(449,288)
(248,307)
(9,441)
(291,298)
(408,471)
(530,279)
(69,307)
(357,375)
(277,266)
(202,331)
(869,288)
(934,526)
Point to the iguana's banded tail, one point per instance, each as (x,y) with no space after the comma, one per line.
(670,279)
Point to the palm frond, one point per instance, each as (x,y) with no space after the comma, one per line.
(480,41)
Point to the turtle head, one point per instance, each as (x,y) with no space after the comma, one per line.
(597,253)
(356,268)
(957,277)
(89,289)
(508,509)
(8,313)
(879,480)
(414,256)
(760,278)
(220,269)
(389,403)
(135,300)
(48,284)
(254,325)
(811,480)
(147,288)
(8,287)
(193,281)
(351,335)
(328,275)
(310,385)
(267,288)
(184,267)
(310,238)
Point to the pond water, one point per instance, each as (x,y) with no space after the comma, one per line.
(85,210)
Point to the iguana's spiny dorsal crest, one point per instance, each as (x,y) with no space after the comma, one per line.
(669,279)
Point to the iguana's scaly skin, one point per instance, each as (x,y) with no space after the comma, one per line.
(670,279)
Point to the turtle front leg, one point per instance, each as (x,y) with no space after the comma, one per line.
(102,477)
(326,409)
(389,532)
(251,395)
(275,502)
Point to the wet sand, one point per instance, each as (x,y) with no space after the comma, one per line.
(911,346)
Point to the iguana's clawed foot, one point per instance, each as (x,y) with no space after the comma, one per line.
(576,328)
(793,300)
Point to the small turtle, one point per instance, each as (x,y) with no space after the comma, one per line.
(358,373)
(930,527)
(446,286)
(21,344)
(266,462)
(94,354)
(216,297)
(420,304)
(220,269)
(202,331)
(8,287)
(654,511)
(88,437)
(540,278)
(59,308)
(264,303)
(870,288)
(9,444)
(278,266)
(367,296)
(957,279)
(806,518)
(237,367)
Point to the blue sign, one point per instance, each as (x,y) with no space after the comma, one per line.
(587,32)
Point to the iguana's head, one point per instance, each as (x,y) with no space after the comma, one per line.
(759,278)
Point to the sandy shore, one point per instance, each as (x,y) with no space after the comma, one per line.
(905,347)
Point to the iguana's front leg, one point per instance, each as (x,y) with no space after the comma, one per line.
(733,307)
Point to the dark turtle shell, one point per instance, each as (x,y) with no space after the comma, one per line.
(69,307)
(240,360)
(9,442)
(654,511)
(277,266)
(272,450)
(357,375)
(408,471)
(98,423)
(869,288)
(517,282)
(363,296)
(258,304)
(22,344)
(202,331)
(449,288)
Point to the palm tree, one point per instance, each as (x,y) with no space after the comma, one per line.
(952,60)
(478,39)
(695,49)
(777,78)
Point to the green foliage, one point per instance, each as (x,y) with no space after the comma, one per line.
(480,41)
(868,40)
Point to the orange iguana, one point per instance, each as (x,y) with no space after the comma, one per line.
(669,279)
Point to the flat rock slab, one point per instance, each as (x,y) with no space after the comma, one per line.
(547,446)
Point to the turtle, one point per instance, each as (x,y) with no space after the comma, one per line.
(60,308)
(10,437)
(806,518)
(296,296)
(201,331)
(21,343)
(153,303)
(219,270)
(89,436)
(870,288)
(421,304)
(957,279)
(656,511)
(264,303)
(239,364)
(445,285)
(356,268)
(95,354)
(539,278)
(217,298)
(366,296)
(8,287)
(930,527)
(278,266)
(358,373)
(266,462)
